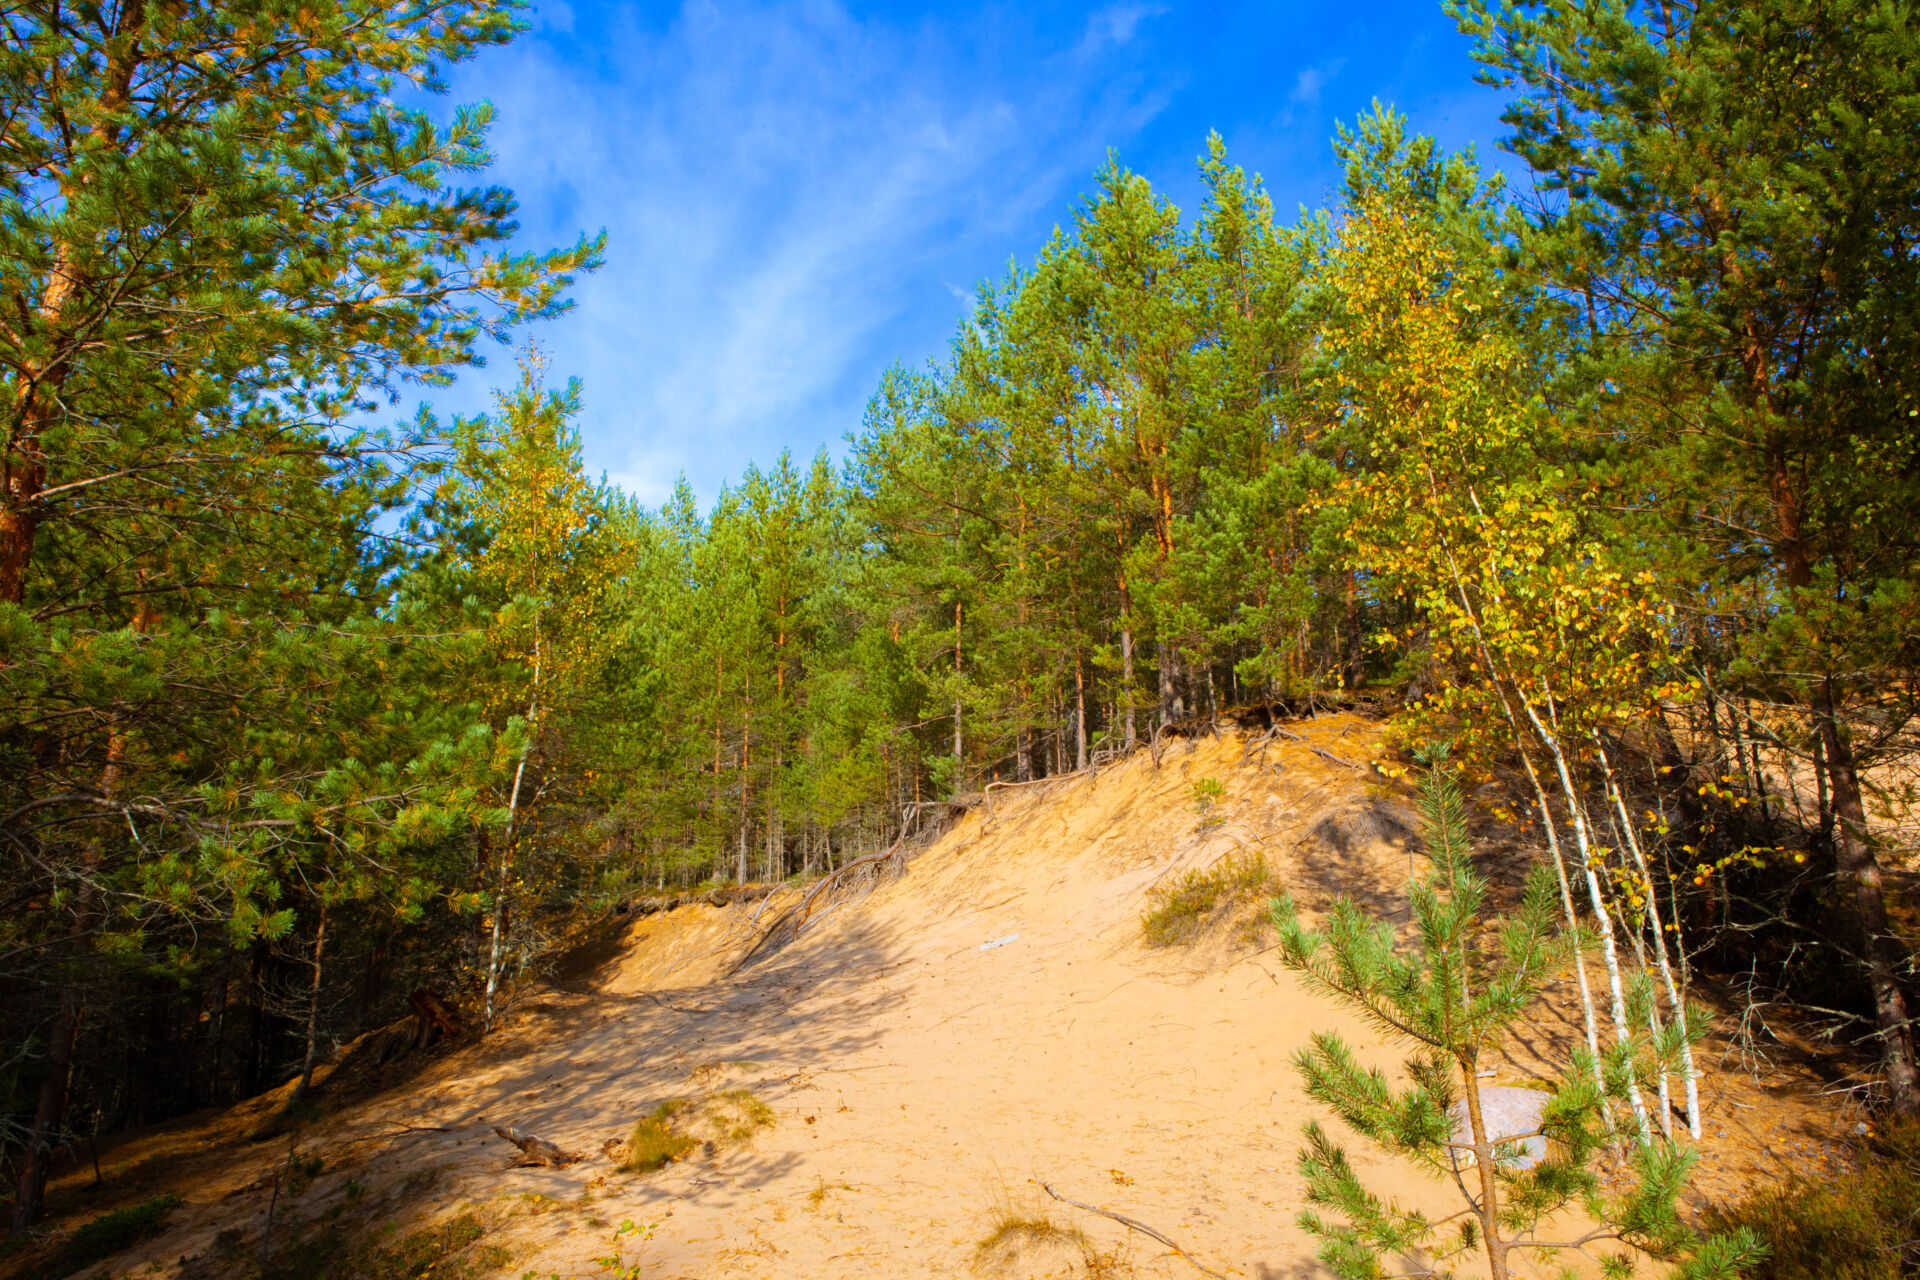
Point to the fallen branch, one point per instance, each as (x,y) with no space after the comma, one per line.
(1133,1224)
(536,1151)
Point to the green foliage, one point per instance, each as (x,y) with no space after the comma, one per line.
(287,704)
(1179,909)
(111,1233)
(1863,1226)
(655,1141)
(1207,792)
(1453,993)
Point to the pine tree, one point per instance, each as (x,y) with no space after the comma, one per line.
(1727,201)
(1455,994)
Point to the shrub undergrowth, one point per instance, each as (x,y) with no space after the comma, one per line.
(1862,1227)
(1178,910)
(108,1234)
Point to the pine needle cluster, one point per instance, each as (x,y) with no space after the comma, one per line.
(1454,991)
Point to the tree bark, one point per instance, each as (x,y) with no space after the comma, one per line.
(1862,882)
(49,1112)
(1079,712)
(313,1007)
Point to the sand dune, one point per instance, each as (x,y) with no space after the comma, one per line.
(987,1021)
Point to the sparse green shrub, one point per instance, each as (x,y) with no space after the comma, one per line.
(1206,794)
(1178,910)
(1863,1227)
(109,1233)
(654,1141)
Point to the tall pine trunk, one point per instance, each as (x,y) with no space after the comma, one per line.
(1863,884)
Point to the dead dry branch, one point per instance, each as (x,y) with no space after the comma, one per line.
(535,1151)
(1134,1224)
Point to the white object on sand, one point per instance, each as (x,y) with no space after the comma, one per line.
(1507,1111)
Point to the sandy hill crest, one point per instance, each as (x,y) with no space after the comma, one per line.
(922,1058)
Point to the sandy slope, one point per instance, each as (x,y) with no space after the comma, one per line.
(921,1079)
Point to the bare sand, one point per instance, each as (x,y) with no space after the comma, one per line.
(988,1021)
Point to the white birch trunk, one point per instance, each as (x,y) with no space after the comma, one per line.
(1676,991)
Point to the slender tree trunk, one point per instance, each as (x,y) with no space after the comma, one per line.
(313,1007)
(1484,1165)
(1356,670)
(1566,901)
(503,875)
(1676,992)
(50,1102)
(1165,654)
(49,1111)
(1079,712)
(956,696)
(1597,901)
(1126,665)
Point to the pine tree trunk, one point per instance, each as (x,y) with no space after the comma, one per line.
(1079,713)
(49,1112)
(313,1007)
(50,1103)
(1354,641)
(1166,682)
(957,744)
(1861,880)
(1484,1165)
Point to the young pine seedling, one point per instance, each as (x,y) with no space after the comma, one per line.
(1452,994)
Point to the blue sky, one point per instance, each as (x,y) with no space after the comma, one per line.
(799,194)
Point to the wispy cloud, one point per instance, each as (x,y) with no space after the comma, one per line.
(787,187)
(1311,80)
(1116,24)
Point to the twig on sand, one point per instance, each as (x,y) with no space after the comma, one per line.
(1132,1224)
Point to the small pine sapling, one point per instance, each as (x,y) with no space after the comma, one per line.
(1454,991)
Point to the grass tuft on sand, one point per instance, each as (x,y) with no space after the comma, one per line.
(655,1142)
(1177,911)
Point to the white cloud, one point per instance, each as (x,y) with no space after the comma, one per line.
(1311,80)
(1116,24)
(786,187)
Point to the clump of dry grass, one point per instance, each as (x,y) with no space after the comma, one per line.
(818,1196)
(736,1115)
(674,1128)
(1178,910)
(1013,1231)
